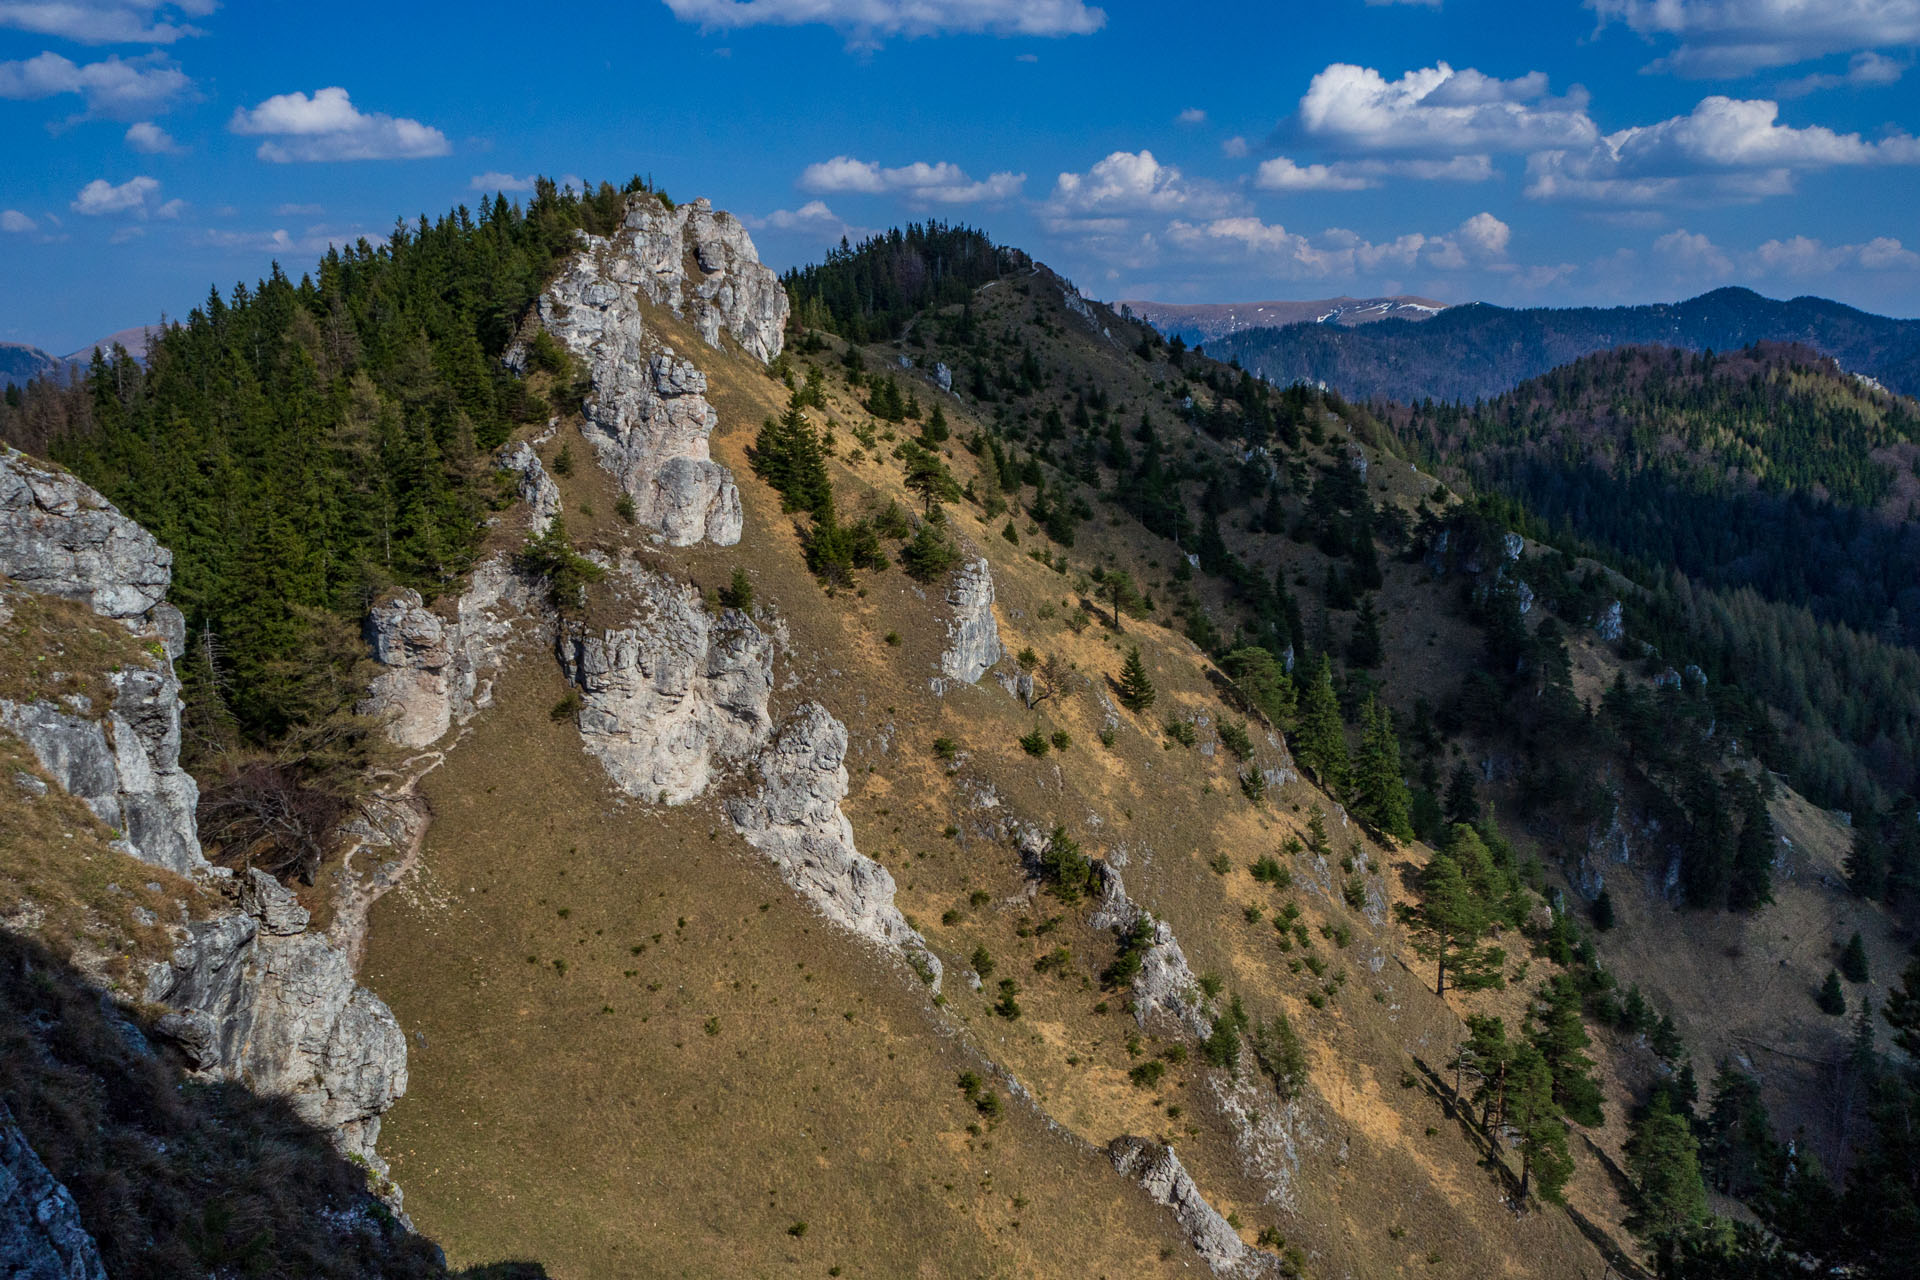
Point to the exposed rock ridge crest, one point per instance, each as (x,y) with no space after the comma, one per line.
(41,1235)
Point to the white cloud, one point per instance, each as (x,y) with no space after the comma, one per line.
(1687,254)
(116,87)
(1804,256)
(1235,148)
(106,21)
(1865,70)
(865,22)
(134,197)
(494,181)
(327,126)
(17,222)
(311,243)
(941,183)
(1738,37)
(1725,148)
(298,210)
(1440,110)
(150,139)
(814,219)
(1339,253)
(1283,174)
(1192,115)
(1131,182)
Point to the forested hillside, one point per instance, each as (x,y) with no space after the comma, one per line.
(1478,350)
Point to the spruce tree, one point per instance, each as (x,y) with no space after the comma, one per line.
(1366,649)
(1261,680)
(1545,1164)
(1320,741)
(1380,795)
(1561,1036)
(1750,886)
(1663,1161)
(1487,1058)
(1135,686)
(1853,960)
(1454,914)
(1462,804)
(1832,1000)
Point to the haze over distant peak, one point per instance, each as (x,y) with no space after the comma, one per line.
(1205,321)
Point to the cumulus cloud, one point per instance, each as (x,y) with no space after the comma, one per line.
(1235,148)
(941,183)
(1865,70)
(813,218)
(1725,148)
(1738,37)
(327,126)
(17,222)
(1480,241)
(1438,110)
(150,139)
(865,22)
(1283,174)
(1192,115)
(1687,255)
(117,88)
(310,243)
(106,21)
(494,181)
(136,197)
(1128,183)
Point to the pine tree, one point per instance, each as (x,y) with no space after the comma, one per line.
(1487,1058)
(1545,1164)
(1853,960)
(1261,680)
(1380,795)
(1462,803)
(1320,741)
(1663,1162)
(1135,686)
(1450,920)
(1561,1036)
(927,475)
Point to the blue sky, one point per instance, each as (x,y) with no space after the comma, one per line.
(1544,152)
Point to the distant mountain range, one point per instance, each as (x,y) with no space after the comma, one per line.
(1478,350)
(1206,321)
(20,363)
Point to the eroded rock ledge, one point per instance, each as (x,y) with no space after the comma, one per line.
(1165,1180)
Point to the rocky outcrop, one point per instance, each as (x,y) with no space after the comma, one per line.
(438,672)
(674,693)
(59,537)
(1166,1181)
(647,416)
(973,637)
(534,486)
(256,997)
(1165,983)
(41,1236)
(793,816)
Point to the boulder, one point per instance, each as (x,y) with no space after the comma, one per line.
(535,487)
(59,537)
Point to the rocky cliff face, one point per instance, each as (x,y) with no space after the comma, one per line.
(1165,1180)
(673,694)
(647,416)
(41,1237)
(794,817)
(1165,983)
(439,673)
(254,996)
(59,537)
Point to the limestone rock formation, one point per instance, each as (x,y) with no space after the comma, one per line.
(41,1236)
(673,693)
(1165,983)
(647,416)
(1161,1175)
(258,1000)
(59,537)
(794,817)
(438,673)
(973,637)
(536,488)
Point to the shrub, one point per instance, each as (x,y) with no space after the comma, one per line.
(1134,945)
(738,593)
(1035,744)
(563,461)
(929,555)
(1060,739)
(1008,1005)
(946,748)
(1234,738)
(568,706)
(1066,870)
(982,961)
(1181,731)
(1266,869)
(1253,785)
(1147,1075)
(623,507)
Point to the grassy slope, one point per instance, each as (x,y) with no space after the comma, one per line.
(698,1151)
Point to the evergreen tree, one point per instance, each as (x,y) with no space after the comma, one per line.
(1380,795)
(1739,1153)
(1832,999)
(930,554)
(1261,680)
(1663,1161)
(1561,1036)
(1603,911)
(1135,687)
(1320,740)
(1487,1058)
(1853,960)
(1545,1164)
(1462,803)
(927,475)
(1366,649)
(1751,884)
(1453,915)
(788,454)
